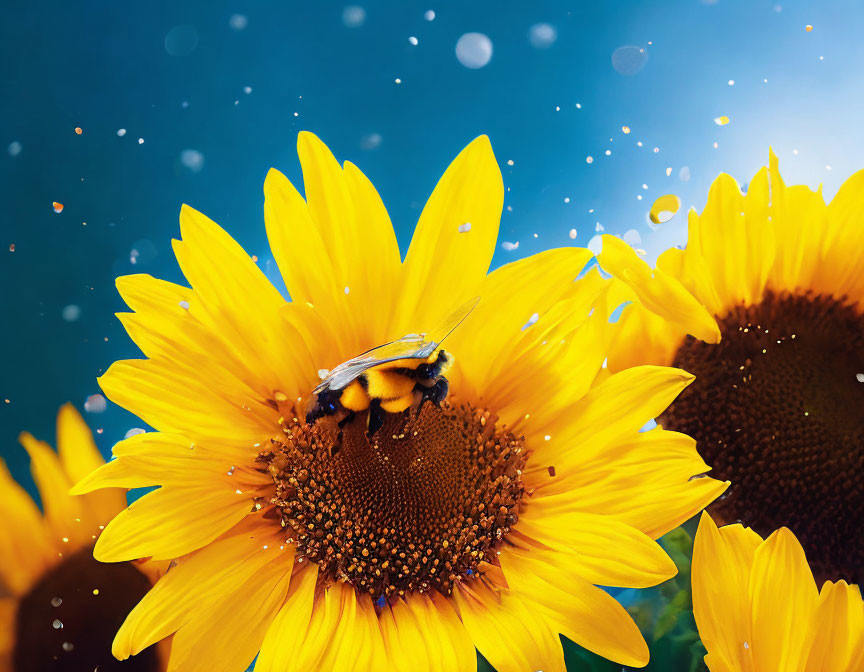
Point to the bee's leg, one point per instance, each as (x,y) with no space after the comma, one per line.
(375,419)
(435,393)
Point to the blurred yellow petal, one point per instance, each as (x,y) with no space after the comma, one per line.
(840,628)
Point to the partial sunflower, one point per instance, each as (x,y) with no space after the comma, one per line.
(381,522)
(60,608)
(758,609)
(766,307)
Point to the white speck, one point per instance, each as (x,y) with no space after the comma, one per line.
(765,81)
(536,236)
(827,167)
(397,80)
(608,152)
(296,114)
(684,174)
(465,228)
(56,601)
(57,624)
(247,90)
(821,58)
(746,645)
(429,15)
(632,237)
(347,289)
(474,50)
(573,234)
(578,106)
(134,431)
(71,313)
(542,35)
(639,197)
(192,159)
(510,246)
(370,141)
(716,145)
(121,132)
(238,22)
(510,162)
(323,373)
(731,82)
(859,377)
(413,41)
(14,148)
(531,320)
(566,199)
(547,438)
(595,245)
(557,108)
(668,171)
(67,646)
(184,305)
(353,16)
(238,491)
(140,141)
(133,256)
(644,186)
(599,227)
(589,159)
(795,152)
(639,143)
(656,149)
(95,403)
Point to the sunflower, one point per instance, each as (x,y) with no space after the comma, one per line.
(758,609)
(766,307)
(486,520)
(59,608)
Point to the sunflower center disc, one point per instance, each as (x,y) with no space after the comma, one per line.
(416,507)
(777,408)
(68,620)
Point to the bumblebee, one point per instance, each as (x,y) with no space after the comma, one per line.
(388,378)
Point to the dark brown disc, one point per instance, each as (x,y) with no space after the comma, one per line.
(777,408)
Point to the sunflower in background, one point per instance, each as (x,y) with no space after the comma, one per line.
(758,609)
(412,530)
(59,608)
(765,307)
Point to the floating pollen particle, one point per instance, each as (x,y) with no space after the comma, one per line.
(78,130)
(721,121)
(58,207)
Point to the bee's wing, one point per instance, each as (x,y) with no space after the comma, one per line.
(453,320)
(410,346)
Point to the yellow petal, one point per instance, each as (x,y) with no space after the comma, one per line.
(617,408)
(209,640)
(235,295)
(79,456)
(437,618)
(403,640)
(646,480)
(842,270)
(214,575)
(170,522)
(839,625)
(605,551)
(580,611)
(658,291)
(184,404)
(287,631)
(506,631)
(721,571)
(454,239)
(24,547)
(784,599)
(68,517)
